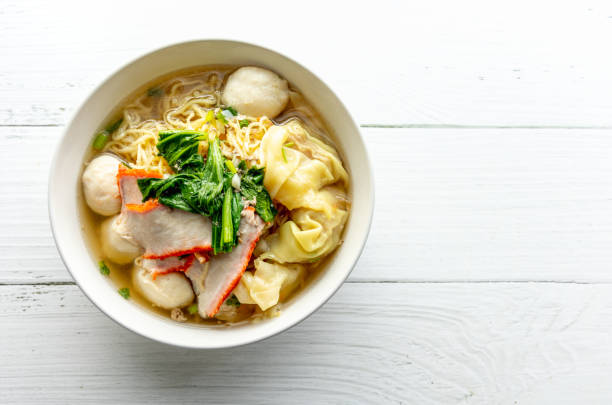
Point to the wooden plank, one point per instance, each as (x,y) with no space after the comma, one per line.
(451,204)
(428,344)
(517,63)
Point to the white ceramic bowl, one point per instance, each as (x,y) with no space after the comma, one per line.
(64,182)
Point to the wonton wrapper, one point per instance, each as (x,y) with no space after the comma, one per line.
(309,179)
(269,284)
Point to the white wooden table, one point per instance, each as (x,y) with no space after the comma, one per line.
(487,275)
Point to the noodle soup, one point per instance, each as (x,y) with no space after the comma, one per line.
(214,194)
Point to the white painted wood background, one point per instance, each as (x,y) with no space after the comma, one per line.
(487,278)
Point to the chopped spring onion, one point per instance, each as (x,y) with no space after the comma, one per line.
(244,123)
(192,309)
(230,166)
(227,114)
(232,110)
(103,136)
(233,301)
(124,292)
(287,145)
(103,268)
(154,92)
(100,140)
(221,117)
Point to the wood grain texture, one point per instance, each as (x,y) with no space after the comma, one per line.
(475,62)
(427,344)
(451,204)
(427,316)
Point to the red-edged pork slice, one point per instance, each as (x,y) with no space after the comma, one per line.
(168,265)
(165,232)
(215,280)
(162,231)
(128,185)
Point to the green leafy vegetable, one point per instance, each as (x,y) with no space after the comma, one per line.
(244,123)
(154,92)
(103,268)
(124,292)
(264,206)
(251,183)
(180,148)
(169,191)
(251,187)
(193,309)
(205,187)
(233,301)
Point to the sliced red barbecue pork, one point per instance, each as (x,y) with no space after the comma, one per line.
(214,281)
(128,185)
(168,265)
(160,230)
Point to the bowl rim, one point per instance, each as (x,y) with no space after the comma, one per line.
(146,333)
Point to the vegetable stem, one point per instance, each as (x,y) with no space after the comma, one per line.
(227,228)
(113,127)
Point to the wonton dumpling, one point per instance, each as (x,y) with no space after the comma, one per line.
(307,178)
(307,237)
(168,291)
(115,245)
(294,176)
(256,92)
(270,283)
(100,185)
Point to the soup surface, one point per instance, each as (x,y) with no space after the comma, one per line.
(213,195)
